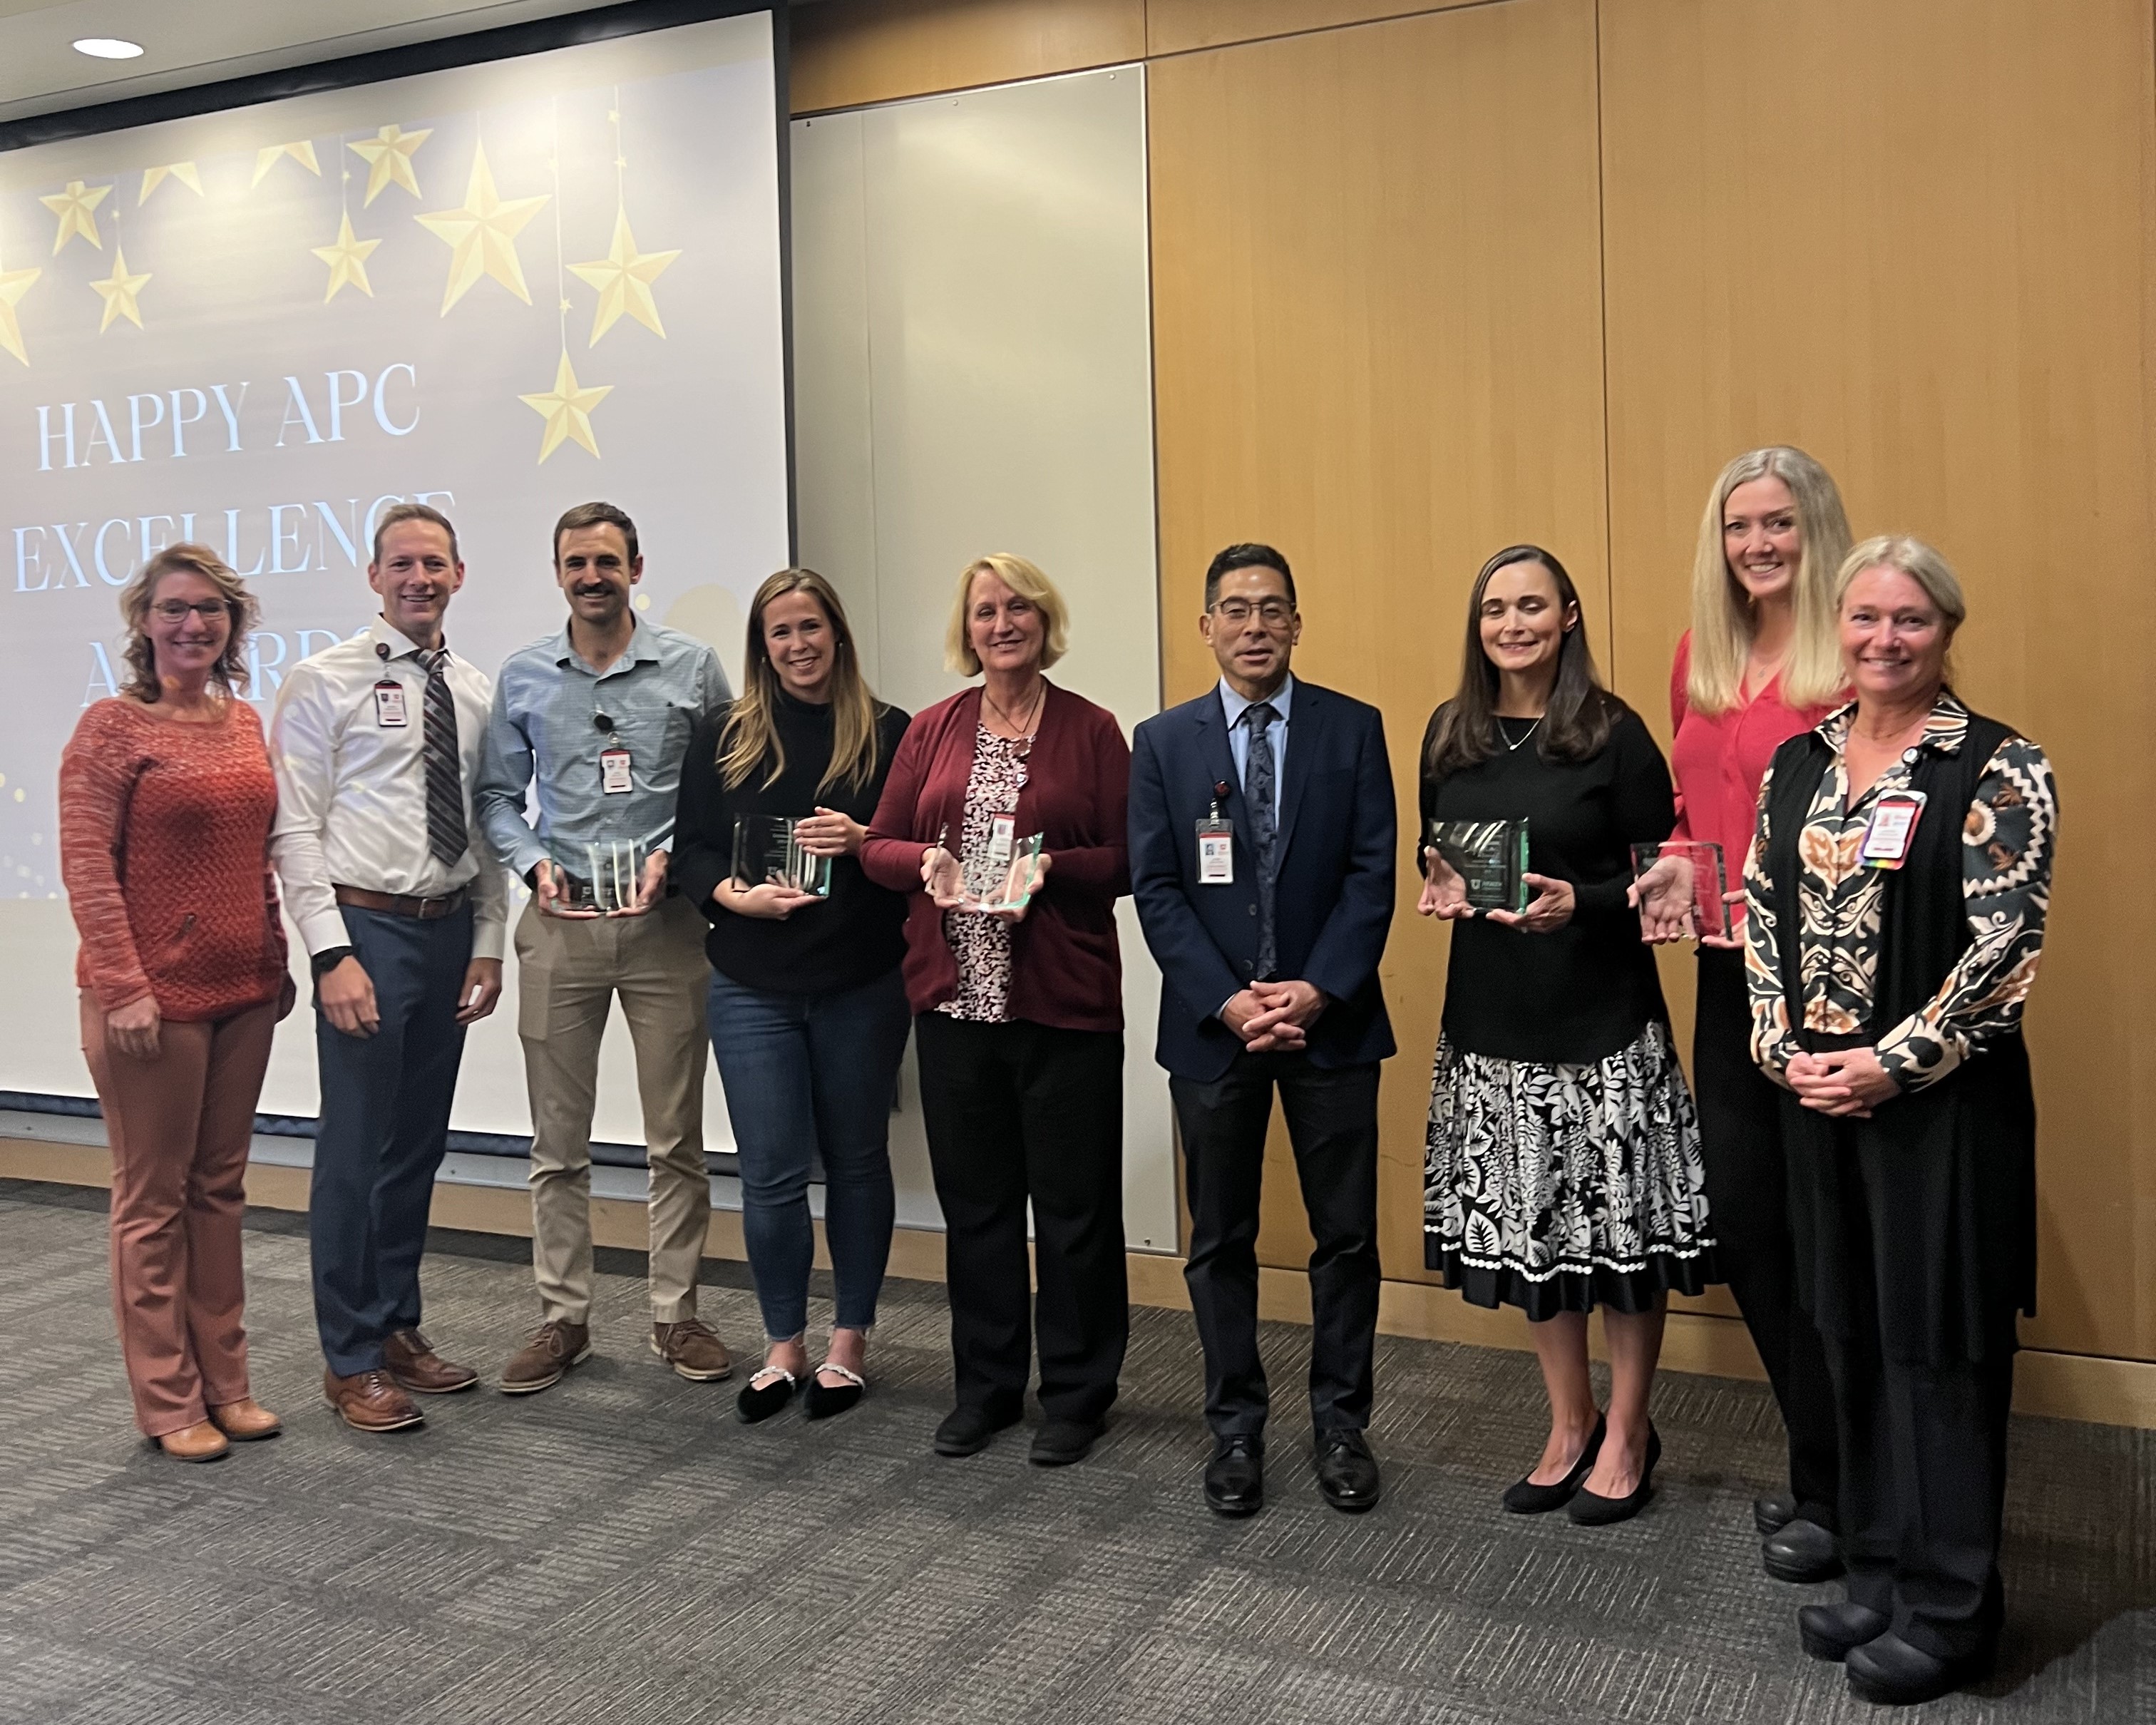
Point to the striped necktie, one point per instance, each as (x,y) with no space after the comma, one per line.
(446,835)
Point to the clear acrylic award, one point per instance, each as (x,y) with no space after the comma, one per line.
(604,877)
(1490,857)
(1682,876)
(768,851)
(1000,874)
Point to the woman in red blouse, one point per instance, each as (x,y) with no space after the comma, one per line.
(1759,664)
(166,803)
(1019,1025)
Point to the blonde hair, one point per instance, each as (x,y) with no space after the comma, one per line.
(1922,564)
(1722,622)
(749,735)
(241,609)
(1028,582)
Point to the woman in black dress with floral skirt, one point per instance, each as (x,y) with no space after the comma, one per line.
(1563,1169)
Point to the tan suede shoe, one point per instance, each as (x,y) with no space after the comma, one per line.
(245,1420)
(199,1442)
(693,1350)
(416,1367)
(555,1346)
(367,1401)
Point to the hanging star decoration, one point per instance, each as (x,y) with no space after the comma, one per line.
(77,208)
(301,151)
(14,285)
(388,158)
(483,234)
(120,292)
(624,278)
(347,259)
(183,172)
(566,410)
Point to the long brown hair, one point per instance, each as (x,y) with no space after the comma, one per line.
(241,609)
(1576,723)
(750,736)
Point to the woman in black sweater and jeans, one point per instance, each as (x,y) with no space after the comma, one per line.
(808,1010)
(1563,1169)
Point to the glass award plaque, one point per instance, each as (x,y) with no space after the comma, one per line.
(1682,875)
(604,877)
(1000,874)
(1490,857)
(767,852)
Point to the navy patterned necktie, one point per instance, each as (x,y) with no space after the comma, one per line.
(446,836)
(1258,792)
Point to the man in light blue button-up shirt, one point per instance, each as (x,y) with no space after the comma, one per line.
(598,718)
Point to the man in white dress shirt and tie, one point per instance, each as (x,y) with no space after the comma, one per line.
(376,742)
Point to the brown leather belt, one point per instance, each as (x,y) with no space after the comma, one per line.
(403,904)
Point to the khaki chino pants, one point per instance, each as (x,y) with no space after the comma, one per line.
(570,970)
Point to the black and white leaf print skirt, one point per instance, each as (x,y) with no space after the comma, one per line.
(1563,1187)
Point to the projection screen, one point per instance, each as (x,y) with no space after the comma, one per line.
(503,289)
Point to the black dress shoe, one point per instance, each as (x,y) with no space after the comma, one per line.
(1235,1476)
(1524,1497)
(1590,1509)
(1346,1471)
(1772,1513)
(1830,1632)
(758,1401)
(1803,1551)
(1887,1671)
(967,1428)
(1060,1442)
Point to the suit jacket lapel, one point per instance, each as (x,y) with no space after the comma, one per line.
(1304,722)
(1220,763)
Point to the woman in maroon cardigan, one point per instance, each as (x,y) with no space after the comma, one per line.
(1019,1021)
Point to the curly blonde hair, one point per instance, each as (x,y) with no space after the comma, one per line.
(241,607)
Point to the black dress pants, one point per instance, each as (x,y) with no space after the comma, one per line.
(1748,1195)
(1017,1112)
(1332,1123)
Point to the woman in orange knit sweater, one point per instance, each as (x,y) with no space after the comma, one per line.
(165,803)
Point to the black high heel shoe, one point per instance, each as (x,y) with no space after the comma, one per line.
(1590,1509)
(1523,1497)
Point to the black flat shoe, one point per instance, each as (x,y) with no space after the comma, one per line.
(1060,1442)
(758,1400)
(1887,1671)
(1523,1497)
(820,1400)
(1772,1513)
(1590,1509)
(1235,1476)
(967,1429)
(1803,1552)
(1833,1632)
(1346,1471)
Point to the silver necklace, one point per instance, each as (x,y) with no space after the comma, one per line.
(1514,748)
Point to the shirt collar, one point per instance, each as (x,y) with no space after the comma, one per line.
(1945,726)
(1235,706)
(643,649)
(400,645)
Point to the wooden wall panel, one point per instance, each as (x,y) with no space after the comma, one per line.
(849,51)
(1915,237)
(1179,26)
(1378,345)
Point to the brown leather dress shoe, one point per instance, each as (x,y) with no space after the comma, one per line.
(416,1367)
(694,1350)
(245,1420)
(367,1401)
(555,1346)
(199,1442)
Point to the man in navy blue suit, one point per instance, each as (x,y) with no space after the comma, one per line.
(1262,832)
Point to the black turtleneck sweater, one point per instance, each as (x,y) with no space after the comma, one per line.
(857,935)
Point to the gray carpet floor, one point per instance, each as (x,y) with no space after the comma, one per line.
(619,1549)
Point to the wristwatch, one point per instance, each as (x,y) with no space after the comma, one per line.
(328,959)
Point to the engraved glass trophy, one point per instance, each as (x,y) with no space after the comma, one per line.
(999,873)
(766,851)
(604,877)
(1680,877)
(1490,857)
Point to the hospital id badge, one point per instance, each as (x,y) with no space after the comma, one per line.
(389,705)
(1893,826)
(1002,839)
(614,772)
(1216,853)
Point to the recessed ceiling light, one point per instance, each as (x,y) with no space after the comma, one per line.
(108,47)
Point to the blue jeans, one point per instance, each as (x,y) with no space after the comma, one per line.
(807,1073)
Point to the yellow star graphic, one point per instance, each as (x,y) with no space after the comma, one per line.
(120,289)
(568,410)
(388,158)
(14,285)
(302,152)
(484,233)
(347,261)
(183,172)
(76,208)
(624,278)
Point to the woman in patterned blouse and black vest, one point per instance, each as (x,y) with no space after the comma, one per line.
(1897,888)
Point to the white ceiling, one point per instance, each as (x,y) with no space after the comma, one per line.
(189,42)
